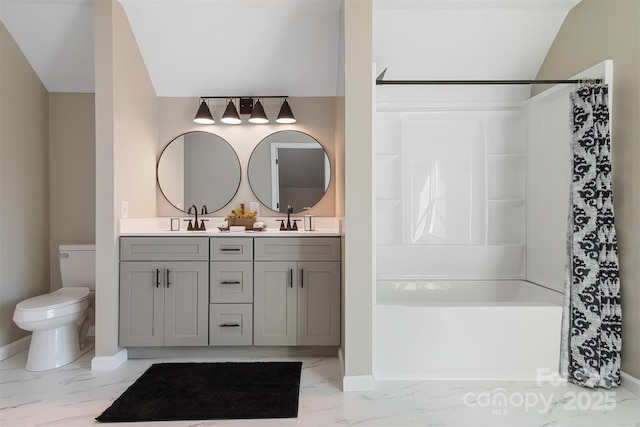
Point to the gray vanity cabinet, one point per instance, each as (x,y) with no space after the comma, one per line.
(297,291)
(164,302)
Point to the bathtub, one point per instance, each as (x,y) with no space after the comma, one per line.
(506,329)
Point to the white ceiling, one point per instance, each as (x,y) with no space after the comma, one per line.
(465,39)
(287,47)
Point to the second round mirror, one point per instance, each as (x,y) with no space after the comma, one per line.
(289,168)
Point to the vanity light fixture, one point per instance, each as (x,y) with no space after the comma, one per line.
(203,116)
(286,115)
(247,106)
(231,116)
(258,115)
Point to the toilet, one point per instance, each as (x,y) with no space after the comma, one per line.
(59,321)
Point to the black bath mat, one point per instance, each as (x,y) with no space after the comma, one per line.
(207,391)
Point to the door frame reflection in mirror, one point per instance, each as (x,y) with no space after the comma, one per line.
(269,194)
(210,174)
(275,175)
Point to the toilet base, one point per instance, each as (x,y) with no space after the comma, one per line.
(55,348)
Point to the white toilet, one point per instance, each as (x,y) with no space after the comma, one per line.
(60,320)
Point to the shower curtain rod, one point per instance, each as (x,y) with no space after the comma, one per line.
(379,81)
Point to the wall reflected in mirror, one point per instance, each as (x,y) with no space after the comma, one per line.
(289,168)
(198,168)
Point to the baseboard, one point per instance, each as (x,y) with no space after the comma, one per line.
(15,347)
(354,382)
(358,383)
(109,363)
(630,383)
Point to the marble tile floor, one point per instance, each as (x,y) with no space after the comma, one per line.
(73,395)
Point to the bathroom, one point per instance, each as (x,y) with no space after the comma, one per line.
(125,171)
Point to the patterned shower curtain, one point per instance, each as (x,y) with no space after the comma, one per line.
(592,340)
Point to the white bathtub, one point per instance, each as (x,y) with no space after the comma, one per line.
(465,330)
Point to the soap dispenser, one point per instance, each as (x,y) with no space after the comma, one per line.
(309,220)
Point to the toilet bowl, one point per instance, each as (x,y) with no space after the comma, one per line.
(59,321)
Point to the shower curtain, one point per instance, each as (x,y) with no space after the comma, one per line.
(591,341)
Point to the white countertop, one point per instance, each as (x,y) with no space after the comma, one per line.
(325,227)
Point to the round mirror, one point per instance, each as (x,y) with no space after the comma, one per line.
(289,168)
(198,168)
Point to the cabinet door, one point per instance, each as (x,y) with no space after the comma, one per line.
(141,304)
(275,289)
(186,310)
(319,303)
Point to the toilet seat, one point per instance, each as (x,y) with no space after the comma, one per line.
(62,302)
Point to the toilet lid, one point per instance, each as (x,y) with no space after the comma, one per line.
(59,298)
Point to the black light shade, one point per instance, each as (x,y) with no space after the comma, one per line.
(286,115)
(203,116)
(258,115)
(231,116)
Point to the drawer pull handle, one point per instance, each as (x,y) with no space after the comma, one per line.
(301,278)
(230,282)
(229,325)
(291,277)
(168,280)
(230,249)
(157,277)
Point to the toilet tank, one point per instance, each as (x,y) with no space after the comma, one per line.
(78,265)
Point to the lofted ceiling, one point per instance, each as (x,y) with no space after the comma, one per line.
(465,39)
(287,47)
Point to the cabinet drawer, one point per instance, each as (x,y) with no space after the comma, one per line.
(230,324)
(164,248)
(232,248)
(297,249)
(231,282)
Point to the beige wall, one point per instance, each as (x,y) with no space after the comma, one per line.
(126,144)
(72,180)
(593,31)
(315,116)
(24,185)
(358,209)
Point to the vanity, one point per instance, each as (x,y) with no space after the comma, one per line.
(218,292)
(228,289)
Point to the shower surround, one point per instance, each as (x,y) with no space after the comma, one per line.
(452,300)
(451,191)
